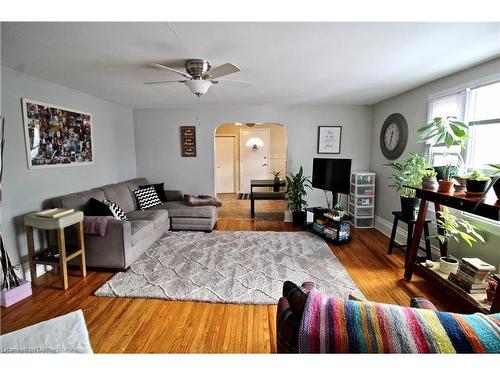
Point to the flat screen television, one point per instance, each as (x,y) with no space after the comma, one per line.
(332,174)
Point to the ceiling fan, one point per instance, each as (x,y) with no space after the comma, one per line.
(200,76)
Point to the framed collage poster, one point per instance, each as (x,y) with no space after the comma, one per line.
(56,136)
(329,138)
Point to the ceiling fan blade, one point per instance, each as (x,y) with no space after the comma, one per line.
(160,82)
(237,81)
(222,70)
(159,66)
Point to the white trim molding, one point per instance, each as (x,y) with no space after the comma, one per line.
(385,227)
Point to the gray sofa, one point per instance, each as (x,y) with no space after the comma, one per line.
(125,241)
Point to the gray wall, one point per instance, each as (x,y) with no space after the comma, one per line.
(157,140)
(24,190)
(413,106)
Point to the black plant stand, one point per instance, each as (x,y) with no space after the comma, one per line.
(398,216)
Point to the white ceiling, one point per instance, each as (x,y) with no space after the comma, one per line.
(290,63)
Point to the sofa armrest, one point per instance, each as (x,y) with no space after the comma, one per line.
(173,195)
(422,303)
(110,250)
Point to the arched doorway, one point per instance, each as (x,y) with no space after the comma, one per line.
(245,152)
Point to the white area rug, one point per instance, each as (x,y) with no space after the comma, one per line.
(231,267)
(64,334)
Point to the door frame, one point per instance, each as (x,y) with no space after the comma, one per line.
(235,154)
(242,146)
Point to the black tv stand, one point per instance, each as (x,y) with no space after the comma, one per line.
(337,232)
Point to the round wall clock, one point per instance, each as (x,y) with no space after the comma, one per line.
(394,136)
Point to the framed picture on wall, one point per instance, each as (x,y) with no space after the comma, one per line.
(329,138)
(56,136)
(188,141)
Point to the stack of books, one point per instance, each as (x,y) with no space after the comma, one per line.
(471,275)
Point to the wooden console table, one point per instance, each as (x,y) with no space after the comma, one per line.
(489,208)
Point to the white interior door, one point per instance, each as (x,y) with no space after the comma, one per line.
(254,155)
(224,160)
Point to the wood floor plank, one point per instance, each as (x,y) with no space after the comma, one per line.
(123,325)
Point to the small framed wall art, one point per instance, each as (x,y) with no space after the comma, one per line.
(329,138)
(188,141)
(56,136)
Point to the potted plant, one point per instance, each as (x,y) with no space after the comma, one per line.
(476,182)
(339,210)
(277,182)
(448,132)
(295,193)
(409,172)
(457,229)
(429,180)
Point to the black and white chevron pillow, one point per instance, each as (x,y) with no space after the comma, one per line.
(147,198)
(116,210)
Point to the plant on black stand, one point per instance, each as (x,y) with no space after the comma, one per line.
(295,193)
(277,182)
(409,172)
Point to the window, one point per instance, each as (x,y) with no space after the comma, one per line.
(484,122)
(480,108)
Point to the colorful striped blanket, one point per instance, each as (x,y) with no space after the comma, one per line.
(335,325)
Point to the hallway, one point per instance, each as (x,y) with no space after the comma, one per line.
(234,208)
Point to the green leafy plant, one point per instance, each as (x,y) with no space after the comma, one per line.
(448,132)
(338,207)
(296,190)
(276,174)
(496,177)
(477,176)
(409,172)
(455,228)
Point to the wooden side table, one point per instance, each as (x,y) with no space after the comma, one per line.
(60,255)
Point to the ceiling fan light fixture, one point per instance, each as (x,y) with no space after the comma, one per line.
(198,86)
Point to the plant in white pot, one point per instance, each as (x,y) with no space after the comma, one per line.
(295,193)
(429,180)
(339,210)
(447,132)
(409,172)
(457,229)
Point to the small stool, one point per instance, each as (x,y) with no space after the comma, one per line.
(398,215)
(55,256)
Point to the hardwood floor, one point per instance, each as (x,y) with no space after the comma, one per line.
(234,208)
(122,325)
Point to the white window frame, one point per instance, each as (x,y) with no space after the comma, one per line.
(482,222)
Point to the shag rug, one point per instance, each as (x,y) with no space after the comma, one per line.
(231,267)
(64,334)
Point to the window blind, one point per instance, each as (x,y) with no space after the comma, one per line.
(448,105)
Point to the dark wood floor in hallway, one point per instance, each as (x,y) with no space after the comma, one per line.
(122,325)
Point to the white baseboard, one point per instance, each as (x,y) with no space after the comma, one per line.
(385,227)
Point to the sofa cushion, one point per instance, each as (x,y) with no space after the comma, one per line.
(140,229)
(159,188)
(120,194)
(147,198)
(158,217)
(180,209)
(116,210)
(78,200)
(96,208)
